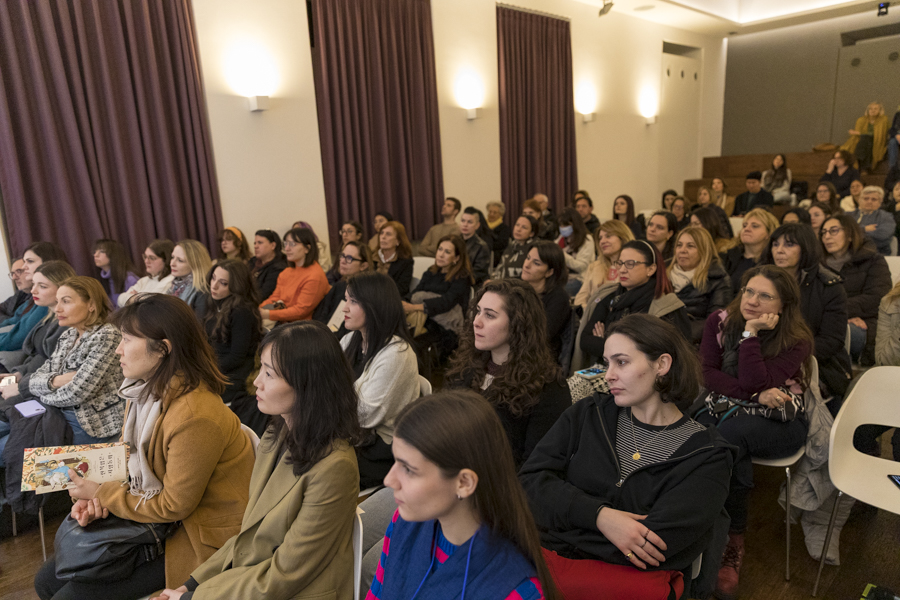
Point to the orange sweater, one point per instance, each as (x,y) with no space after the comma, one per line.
(301,289)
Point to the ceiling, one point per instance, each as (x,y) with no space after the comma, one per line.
(725,17)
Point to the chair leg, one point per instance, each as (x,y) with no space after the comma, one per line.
(41,525)
(13,522)
(787,525)
(834,512)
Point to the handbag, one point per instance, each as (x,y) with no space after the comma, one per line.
(723,407)
(107,549)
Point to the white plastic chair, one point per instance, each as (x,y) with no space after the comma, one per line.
(420,265)
(893,263)
(870,402)
(737,223)
(357,552)
(424,387)
(254,439)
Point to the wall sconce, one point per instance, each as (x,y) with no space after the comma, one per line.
(586,101)
(648,104)
(469,93)
(258,103)
(250,71)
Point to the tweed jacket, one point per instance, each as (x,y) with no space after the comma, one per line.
(94,392)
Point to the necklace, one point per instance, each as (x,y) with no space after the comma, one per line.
(637,451)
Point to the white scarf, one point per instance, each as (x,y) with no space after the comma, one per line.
(680,278)
(139,423)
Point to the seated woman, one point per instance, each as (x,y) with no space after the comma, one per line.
(777,179)
(823,304)
(721,197)
(578,247)
(825,193)
(661,231)
(500,231)
(462,521)
(384,365)
(623,210)
(704,200)
(706,218)
(233,329)
(233,245)
(850,202)
(754,238)
(868,138)
(680,210)
(115,268)
(546,272)
(443,296)
(546,230)
(818,214)
(877,225)
(698,278)
(189,461)
(268,261)
(611,236)
(866,279)
(351,231)
(503,356)
(302,285)
(157,258)
(324,258)
(643,287)
(796,215)
(354,258)
(627,513)
(38,252)
(190,264)
(394,256)
(753,352)
(295,538)
(840,173)
(382,218)
(513,257)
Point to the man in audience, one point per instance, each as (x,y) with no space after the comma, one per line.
(21,295)
(479,252)
(754,197)
(449,210)
(876,224)
(585,207)
(547,215)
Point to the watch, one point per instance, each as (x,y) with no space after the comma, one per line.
(747,335)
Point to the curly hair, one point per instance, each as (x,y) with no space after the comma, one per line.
(530,365)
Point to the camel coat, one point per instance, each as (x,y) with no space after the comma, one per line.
(204,461)
(295,539)
(879,144)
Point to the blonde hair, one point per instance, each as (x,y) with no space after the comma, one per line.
(765,217)
(708,255)
(500,206)
(618,229)
(880,108)
(199,261)
(56,272)
(91,291)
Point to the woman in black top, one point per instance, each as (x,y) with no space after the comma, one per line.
(268,261)
(545,271)
(234,329)
(503,356)
(623,210)
(393,256)
(353,258)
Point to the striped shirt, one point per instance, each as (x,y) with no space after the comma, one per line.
(655,444)
(529,589)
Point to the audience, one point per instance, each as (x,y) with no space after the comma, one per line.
(704,201)
(324,258)
(777,179)
(585,207)
(354,258)
(623,210)
(611,236)
(754,197)
(877,225)
(797,215)
(500,231)
(866,279)
(38,252)
(661,233)
(868,138)
(268,261)
(819,212)
(302,285)
(22,287)
(382,218)
(721,197)
(448,226)
(503,355)
(352,231)
(457,494)
(756,361)
(668,197)
(478,250)
(840,173)
(189,266)
(384,365)
(545,231)
(116,270)
(758,226)
(850,202)
(578,247)
(626,487)
(295,537)
(393,256)
(546,272)
(189,461)
(709,220)
(233,245)
(826,193)
(679,209)
(513,257)
(157,258)
(698,278)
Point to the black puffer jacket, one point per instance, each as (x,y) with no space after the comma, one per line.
(700,305)
(267,276)
(823,303)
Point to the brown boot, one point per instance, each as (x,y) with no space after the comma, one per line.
(730,569)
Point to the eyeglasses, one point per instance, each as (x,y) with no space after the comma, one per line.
(749,294)
(290,244)
(16,273)
(629,264)
(350,231)
(150,257)
(349,259)
(833,231)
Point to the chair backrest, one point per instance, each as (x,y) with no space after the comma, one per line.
(893,263)
(893,246)
(357,552)
(737,223)
(872,401)
(254,439)
(420,265)
(424,387)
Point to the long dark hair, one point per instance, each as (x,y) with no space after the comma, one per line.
(803,236)
(552,255)
(302,235)
(779,174)
(652,256)
(460,430)
(834,199)
(671,225)
(851,230)
(710,221)
(190,362)
(163,249)
(47,251)
(243,294)
(308,357)
(380,301)
(236,237)
(629,216)
(531,365)
(569,216)
(119,264)
(462,268)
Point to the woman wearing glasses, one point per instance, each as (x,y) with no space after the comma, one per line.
(355,257)
(755,352)
(866,280)
(643,287)
(302,285)
(351,231)
(157,257)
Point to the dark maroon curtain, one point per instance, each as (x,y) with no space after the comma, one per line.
(537,108)
(103,125)
(378,115)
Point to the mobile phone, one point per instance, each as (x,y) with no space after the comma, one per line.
(280,305)
(8,380)
(895,479)
(592,373)
(31,408)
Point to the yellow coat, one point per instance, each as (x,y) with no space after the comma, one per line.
(879,144)
(295,539)
(204,461)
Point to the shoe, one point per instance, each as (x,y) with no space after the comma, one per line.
(730,569)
